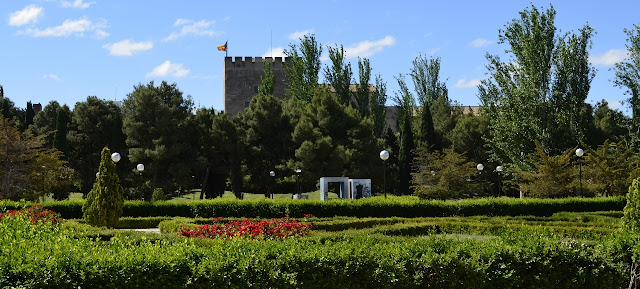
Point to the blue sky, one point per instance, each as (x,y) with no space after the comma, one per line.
(66,50)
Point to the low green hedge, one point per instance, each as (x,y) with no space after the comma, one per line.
(527,259)
(373,207)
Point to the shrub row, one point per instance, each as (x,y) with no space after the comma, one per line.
(374,207)
(527,259)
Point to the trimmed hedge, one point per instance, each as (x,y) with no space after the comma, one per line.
(373,207)
(527,259)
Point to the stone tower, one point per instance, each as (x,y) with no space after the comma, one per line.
(242,78)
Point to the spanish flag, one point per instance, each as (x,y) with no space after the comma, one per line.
(222,47)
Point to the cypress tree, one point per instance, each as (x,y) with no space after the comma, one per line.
(60,137)
(104,203)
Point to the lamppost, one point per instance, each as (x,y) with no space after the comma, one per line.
(480,167)
(273,177)
(115,157)
(580,153)
(499,170)
(384,155)
(140,168)
(298,171)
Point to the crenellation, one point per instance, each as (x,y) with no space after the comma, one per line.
(242,77)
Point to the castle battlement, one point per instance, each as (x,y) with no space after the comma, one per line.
(251,63)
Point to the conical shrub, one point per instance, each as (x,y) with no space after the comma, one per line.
(103,206)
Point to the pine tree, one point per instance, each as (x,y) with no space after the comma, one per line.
(104,203)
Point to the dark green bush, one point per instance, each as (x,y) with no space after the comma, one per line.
(374,207)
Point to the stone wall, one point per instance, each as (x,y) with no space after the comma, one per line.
(242,78)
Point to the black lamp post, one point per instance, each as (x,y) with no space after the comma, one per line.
(580,153)
(384,155)
(273,175)
(298,171)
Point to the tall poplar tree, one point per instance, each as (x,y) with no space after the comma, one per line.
(304,69)
(537,94)
(339,74)
(406,104)
(628,77)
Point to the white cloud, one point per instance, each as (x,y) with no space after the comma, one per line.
(275,52)
(169,69)
(52,76)
(68,27)
(464,83)
(189,27)
(614,104)
(101,34)
(298,34)
(433,51)
(29,14)
(480,42)
(127,47)
(368,48)
(77,4)
(610,57)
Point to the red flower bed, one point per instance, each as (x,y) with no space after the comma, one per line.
(34,213)
(247,228)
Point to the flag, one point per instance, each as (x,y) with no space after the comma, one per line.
(222,47)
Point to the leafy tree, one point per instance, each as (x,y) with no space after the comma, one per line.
(333,140)
(609,124)
(267,138)
(339,74)
(425,76)
(468,137)
(610,168)
(321,136)
(445,115)
(551,176)
(267,80)
(628,77)
(29,114)
(155,124)
(9,110)
(631,218)
(25,164)
(425,73)
(305,66)
(103,206)
(405,123)
(538,94)
(60,137)
(443,174)
(377,107)
(363,94)
(44,123)
(229,144)
(95,123)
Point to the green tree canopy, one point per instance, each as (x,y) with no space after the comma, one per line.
(628,77)
(95,123)
(155,120)
(537,94)
(304,69)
